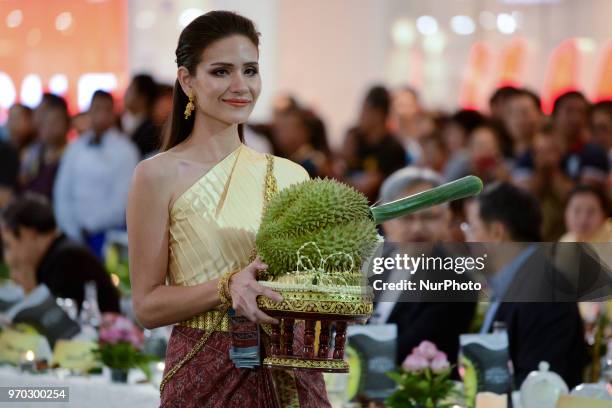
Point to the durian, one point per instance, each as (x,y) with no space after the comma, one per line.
(337,219)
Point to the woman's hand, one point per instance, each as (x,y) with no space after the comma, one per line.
(244,290)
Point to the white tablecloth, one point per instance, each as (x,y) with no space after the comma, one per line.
(90,392)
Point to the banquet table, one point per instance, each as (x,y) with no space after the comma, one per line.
(85,391)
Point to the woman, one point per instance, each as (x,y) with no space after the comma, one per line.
(300,136)
(192,216)
(587,216)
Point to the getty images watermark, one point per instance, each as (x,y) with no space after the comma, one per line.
(413,264)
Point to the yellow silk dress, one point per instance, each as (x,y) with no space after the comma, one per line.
(212,232)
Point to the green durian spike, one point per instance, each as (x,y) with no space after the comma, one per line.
(455,190)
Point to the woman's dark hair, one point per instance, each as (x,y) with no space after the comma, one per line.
(516,209)
(31,211)
(315,127)
(318,133)
(598,193)
(195,38)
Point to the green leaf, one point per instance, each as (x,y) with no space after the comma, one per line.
(123,355)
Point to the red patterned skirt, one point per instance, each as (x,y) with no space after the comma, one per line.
(210,379)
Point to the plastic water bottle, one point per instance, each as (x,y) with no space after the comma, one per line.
(500,328)
(90,316)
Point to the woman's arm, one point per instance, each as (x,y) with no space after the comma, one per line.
(155,303)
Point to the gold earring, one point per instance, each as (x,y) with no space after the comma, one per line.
(190,106)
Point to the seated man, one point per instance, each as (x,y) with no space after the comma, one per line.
(419,318)
(529,295)
(38,254)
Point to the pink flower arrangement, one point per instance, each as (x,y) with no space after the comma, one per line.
(426,355)
(116,328)
(423,380)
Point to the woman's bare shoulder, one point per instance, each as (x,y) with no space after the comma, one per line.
(157,172)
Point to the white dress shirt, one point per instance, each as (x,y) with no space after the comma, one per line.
(93,182)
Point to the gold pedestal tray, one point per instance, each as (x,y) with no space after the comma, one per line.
(326,311)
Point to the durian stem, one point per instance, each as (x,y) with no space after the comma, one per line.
(464,187)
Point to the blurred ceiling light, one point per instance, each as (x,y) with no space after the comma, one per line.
(188,15)
(427,25)
(8,94)
(487,20)
(402,32)
(63,21)
(89,83)
(506,24)
(518,17)
(33,37)
(462,25)
(144,19)
(14,18)
(585,44)
(435,43)
(31,90)
(58,84)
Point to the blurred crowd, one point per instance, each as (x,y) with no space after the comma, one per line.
(563,159)
(547,177)
(83,163)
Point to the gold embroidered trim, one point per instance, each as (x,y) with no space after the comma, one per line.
(331,365)
(320,303)
(284,381)
(218,320)
(195,350)
(206,321)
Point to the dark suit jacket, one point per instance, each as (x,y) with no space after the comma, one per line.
(551,332)
(67,266)
(438,322)
(539,280)
(543,321)
(437,317)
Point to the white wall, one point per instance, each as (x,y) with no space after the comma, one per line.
(328,52)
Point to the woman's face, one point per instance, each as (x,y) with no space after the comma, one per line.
(226,83)
(584,216)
